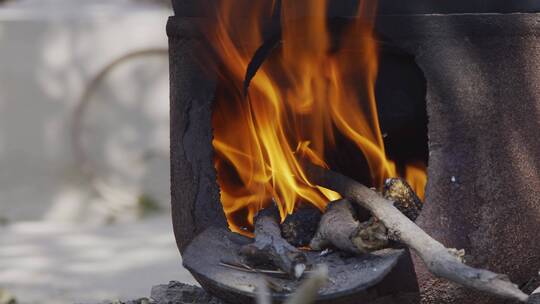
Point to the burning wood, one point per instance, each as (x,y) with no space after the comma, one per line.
(403,196)
(339,228)
(393,215)
(270,248)
(440,261)
(300,227)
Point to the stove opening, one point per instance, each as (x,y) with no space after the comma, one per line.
(328,90)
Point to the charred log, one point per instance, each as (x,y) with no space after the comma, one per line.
(403,196)
(339,228)
(300,227)
(269,248)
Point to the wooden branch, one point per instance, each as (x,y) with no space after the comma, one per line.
(438,259)
(270,248)
(339,228)
(299,228)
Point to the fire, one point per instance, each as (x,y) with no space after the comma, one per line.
(308,92)
(415,174)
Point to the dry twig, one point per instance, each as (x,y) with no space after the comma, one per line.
(270,247)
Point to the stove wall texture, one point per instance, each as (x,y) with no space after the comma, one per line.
(483,101)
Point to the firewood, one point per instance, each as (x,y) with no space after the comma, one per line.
(270,248)
(339,228)
(299,228)
(437,258)
(403,196)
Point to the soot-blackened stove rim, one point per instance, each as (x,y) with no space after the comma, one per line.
(351,278)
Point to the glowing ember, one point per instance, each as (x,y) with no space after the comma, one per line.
(308,92)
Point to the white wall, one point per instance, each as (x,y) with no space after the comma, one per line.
(49,50)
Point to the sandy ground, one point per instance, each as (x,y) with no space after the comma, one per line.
(43,262)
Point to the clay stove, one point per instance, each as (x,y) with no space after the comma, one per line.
(477,76)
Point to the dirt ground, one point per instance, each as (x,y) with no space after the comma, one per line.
(43,262)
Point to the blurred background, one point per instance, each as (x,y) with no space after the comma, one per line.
(84,151)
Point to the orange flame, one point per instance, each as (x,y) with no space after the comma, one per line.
(300,99)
